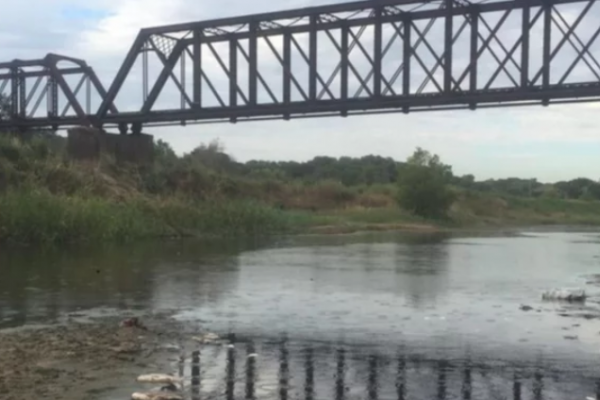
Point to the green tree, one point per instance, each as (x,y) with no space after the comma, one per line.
(423,185)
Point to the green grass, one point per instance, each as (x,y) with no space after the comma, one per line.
(39,217)
(556,211)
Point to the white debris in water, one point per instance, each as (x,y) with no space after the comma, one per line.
(564,294)
(158,378)
(252,355)
(156,396)
(207,338)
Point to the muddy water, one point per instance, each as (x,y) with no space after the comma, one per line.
(444,312)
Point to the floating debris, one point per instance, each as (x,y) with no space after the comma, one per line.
(208,338)
(573,337)
(133,322)
(525,307)
(565,295)
(158,378)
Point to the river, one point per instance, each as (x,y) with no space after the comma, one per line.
(440,310)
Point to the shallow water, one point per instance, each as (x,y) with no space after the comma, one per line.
(430,300)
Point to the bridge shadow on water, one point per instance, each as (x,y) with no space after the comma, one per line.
(284,369)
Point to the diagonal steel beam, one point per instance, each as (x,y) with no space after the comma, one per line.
(484,46)
(510,53)
(579,56)
(124,70)
(281,60)
(314,76)
(163,76)
(164,59)
(563,40)
(578,40)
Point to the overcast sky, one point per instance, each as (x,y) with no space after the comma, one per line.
(560,142)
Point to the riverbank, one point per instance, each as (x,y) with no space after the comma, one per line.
(40,217)
(471,211)
(78,360)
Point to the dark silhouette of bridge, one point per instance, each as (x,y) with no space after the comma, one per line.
(374,56)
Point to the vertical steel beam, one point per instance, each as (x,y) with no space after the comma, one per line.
(526,16)
(52,98)
(546,44)
(344,62)
(287,67)
(312,58)
(406,55)
(14,90)
(22,95)
(233,73)
(197,68)
(88,94)
(474,48)
(252,64)
(377,49)
(182,79)
(145,74)
(448,34)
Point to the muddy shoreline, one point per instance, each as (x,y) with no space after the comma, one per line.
(86,360)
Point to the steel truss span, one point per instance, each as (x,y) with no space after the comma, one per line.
(351,58)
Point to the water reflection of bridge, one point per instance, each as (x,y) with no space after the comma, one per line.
(285,370)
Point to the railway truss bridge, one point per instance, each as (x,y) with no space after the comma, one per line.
(365,57)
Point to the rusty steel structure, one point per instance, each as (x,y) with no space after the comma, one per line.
(373,56)
(25,85)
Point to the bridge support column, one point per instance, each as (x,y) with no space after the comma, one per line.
(85,143)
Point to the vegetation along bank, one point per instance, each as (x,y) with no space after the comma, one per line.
(47,198)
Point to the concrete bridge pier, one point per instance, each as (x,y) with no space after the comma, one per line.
(87,143)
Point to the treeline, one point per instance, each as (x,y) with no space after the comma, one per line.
(375,170)
(579,188)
